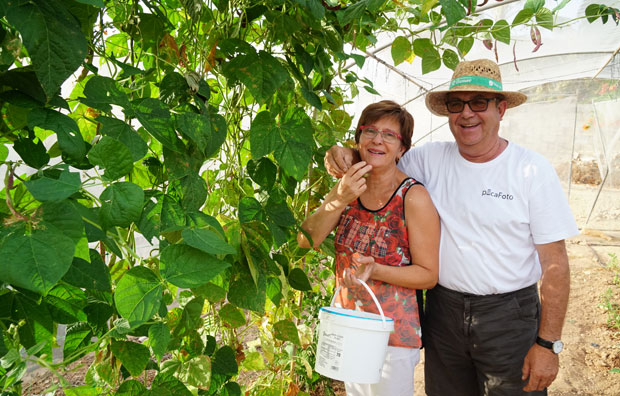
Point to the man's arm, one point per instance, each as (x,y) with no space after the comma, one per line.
(541,365)
(338,160)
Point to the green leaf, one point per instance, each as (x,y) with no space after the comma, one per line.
(534,5)
(260,72)
(592,12)
(165,384)
(191,319)
(185,266)
(263,139)
(352,12)
(194,190)
(523,16)
(131,388)
(121,204)
(84,390)
(33,154)
(159,337)
(207,241)
(544,18)
(65,304)
(294,152)
(50,189)
(274,290)
(196,372)
(155,117)
(249,209)
(102,92)
(401,50)
(231,315)
(286,330)
(197,127)
(315,8)
(312,98)
(450,59)
(263,172)
(253,361)
(65,217)
(453,10)
(465,45)
(112,156)
(93,276)
(138,295)
(52,37)
(501,31)
(133,355)
(211,292)
(35,261)
(244,292)
(122,132)
(280,213)
(67,131)
(298,280)
(77,337)
(38,325)
(431,61)
(224,361)
(173,89)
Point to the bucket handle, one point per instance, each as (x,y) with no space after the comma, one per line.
(374,298)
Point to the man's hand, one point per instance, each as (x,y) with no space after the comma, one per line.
(541,366)
(338,160)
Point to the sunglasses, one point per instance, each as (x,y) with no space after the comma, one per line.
(476,105)
(389,136)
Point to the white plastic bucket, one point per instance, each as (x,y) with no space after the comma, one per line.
(352,344)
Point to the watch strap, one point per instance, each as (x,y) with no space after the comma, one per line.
(544,343)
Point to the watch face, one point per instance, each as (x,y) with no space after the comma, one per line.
(558,346)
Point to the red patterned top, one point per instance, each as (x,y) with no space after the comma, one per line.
(383,235)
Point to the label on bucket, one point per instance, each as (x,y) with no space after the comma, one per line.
(330,351)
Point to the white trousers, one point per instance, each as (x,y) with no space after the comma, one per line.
(396,375)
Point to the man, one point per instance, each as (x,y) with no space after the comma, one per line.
(504,219)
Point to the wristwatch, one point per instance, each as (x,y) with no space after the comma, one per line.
(555,346)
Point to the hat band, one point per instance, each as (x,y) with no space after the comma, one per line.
(476,80)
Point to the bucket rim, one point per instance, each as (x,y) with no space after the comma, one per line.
(327,309)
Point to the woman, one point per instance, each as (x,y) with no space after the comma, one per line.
(387,234)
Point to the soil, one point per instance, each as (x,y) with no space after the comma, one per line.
(590,362)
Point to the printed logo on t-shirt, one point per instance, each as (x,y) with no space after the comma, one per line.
(500,195)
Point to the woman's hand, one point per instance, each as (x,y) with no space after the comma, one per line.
(353,183)
(362,268)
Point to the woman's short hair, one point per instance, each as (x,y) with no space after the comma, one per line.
(387,108)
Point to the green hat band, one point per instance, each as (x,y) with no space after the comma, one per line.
(476,80)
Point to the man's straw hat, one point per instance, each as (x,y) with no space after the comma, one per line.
(480,75)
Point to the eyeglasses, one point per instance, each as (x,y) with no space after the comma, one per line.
(389,136)
(477,104)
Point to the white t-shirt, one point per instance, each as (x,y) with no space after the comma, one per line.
(492,214)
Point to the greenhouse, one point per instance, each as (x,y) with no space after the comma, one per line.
(159,158)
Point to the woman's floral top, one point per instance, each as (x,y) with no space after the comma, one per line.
(383,235)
